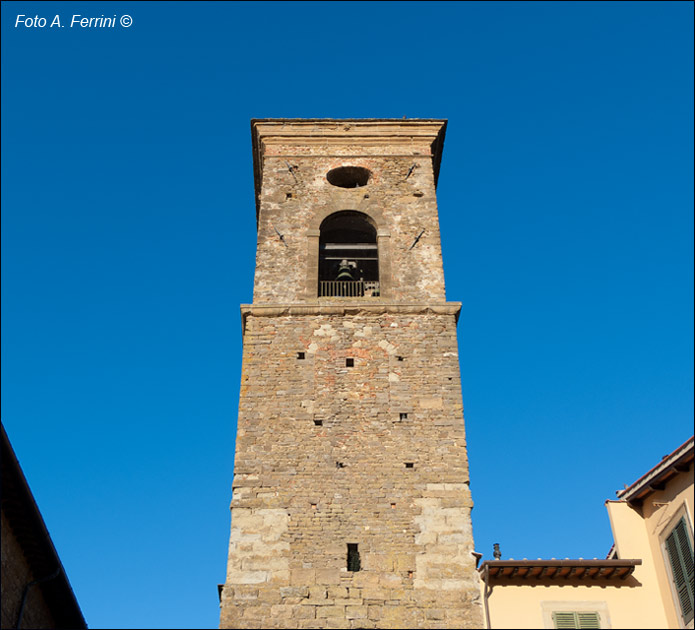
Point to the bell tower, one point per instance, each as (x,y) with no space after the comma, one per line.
(351,502)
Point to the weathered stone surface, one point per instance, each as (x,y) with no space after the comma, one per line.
(330,454)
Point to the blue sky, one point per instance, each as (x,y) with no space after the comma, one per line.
(128,240)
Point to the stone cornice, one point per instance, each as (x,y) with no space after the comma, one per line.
(373,307)
(317,130)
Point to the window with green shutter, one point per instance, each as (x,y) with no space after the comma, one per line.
(569,619)
(680,555)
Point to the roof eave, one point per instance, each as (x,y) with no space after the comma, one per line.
(501,571)
(678,461)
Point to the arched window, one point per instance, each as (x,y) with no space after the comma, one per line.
(348,256)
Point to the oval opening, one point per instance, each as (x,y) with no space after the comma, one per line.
(348,176)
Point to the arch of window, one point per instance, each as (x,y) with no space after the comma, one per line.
(348,264)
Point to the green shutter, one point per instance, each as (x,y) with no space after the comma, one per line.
(680,553)
(564,620)
(588,620)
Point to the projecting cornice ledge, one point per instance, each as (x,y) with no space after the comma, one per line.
(357,308)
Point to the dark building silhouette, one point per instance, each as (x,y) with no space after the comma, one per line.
(36,592)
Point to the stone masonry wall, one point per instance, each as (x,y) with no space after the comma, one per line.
(350,428)
(302,492)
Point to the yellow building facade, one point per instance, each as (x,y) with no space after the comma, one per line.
(646,581)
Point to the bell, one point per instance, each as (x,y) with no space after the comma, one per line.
(345,270)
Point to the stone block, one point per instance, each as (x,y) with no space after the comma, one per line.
(337,592)
(327,576)
(317,592)
(370,592)
(356,612)
(331,611)
(304,612)
(375,612)
(377,562)
(294,591)
(247,577)
(302,577)
(435,613)
(256,563)
(281,610)
(390,580)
